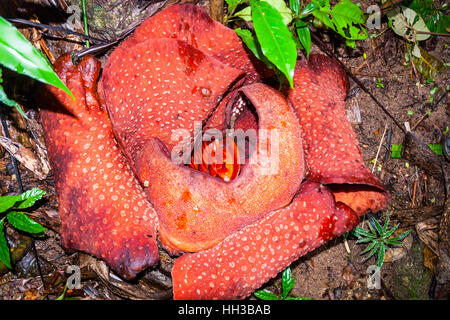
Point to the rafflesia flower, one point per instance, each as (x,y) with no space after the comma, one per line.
(234,225)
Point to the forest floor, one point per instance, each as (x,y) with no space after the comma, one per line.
(334,271)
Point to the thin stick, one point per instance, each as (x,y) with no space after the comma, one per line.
(323,47)
(379,147)
(85,26)
(65,31)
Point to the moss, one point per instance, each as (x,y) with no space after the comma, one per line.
(410,279)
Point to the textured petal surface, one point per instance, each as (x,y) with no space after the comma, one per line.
(331,148)
(103,209)
(247,259)
(159,86)
(196,210)
(192,24)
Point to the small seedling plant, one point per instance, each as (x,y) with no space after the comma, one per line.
(11,212)
(379,239)
(287,283)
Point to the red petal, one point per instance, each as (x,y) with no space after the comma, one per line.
(247,259)
(162,85)
(216,208)
(331,148)
(103,209)
(192,24)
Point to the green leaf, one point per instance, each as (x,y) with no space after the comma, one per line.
(402,236)
(279,5)
(374,250)
(364,240)
(372,229)
(22,222)
(7,202)
(393,242)
(294,5)
(309,9)
(287,282)
(396,151)
(232,4)
(346,18)
(245,14)
(30,197)
(18,54)
(275,38)
(390,232)
(369,247)
(377,226)
(5,258)
(250,41)
(346,15)
(266,295)
(380,255)
(304,36)
(362,232)
(437,148)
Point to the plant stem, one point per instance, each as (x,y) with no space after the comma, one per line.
(85,26)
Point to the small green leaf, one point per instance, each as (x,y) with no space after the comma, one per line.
(19,55)
(364,240)
(311,7)
(374,250)
(287,282)
(7,202)
(362,232)
(275,38)
(304,36)
(396,151)
(393,242)
(402,236)
(5,258)
(380,255)
(437,148)
(278,5)
(30,197)
(369,247)
(377,226)
(294,5)
(22,222)
(250,41)
(390,232)
(266,295)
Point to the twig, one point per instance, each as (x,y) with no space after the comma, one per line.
(323,47)
(379,147)
(420,120)
(65,31)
